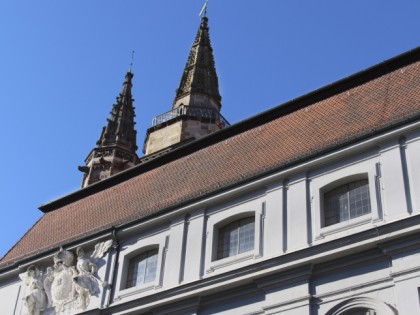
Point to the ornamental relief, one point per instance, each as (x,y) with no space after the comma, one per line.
(124,155)
(104,153)
(67,286)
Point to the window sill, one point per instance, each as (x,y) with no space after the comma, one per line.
(124,293)
(228,261)
(346,225)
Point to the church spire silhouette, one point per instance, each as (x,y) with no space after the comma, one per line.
(196,107)
(117,144)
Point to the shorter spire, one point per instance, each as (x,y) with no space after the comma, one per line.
(116,147)
(120,127)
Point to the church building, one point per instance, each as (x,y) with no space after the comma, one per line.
(309,208)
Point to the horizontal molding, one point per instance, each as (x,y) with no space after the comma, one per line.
(295,265)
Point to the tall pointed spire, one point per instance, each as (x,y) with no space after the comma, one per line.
(196,108)
(199,84)
(117,144)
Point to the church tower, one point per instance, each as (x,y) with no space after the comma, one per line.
(196,108)
(116,147)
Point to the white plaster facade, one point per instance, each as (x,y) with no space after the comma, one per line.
(366,265)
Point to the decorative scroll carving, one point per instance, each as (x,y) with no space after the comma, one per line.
(67,286)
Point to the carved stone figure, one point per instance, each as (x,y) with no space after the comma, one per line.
(35,300)
(48,280)
(86,282)
(62,285)
(66,286)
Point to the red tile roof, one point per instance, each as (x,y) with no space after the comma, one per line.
(379,98)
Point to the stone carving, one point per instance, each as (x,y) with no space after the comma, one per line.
(103,153)
(67,286)
(124,155)
(49,278)
(62,282)
(35,300)
(85,281)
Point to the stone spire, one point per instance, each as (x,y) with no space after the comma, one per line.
(120,130)
(196,108)
(117,145)
(199,84)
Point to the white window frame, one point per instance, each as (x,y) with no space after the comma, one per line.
(132,248)
(335,177)
(338,184)
(221,217)
(221,227)
(146,271)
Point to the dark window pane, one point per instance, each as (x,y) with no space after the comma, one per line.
(236,238)
(346,202)
(142,268)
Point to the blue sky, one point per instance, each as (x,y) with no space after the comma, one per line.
(62,64)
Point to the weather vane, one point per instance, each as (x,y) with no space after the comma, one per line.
(203,11)
(132,58)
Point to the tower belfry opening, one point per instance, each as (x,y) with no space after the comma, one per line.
(196,107)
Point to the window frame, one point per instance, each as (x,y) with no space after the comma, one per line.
(137,262)
(334,175)
(335,182)
(227,227)
(221,216)
(330,188)
(133,247)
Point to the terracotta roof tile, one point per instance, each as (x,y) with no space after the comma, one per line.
(357,112)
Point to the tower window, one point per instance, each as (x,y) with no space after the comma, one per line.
(142,268)
(236,238)
(346,202)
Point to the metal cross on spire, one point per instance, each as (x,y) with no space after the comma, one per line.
(131,63)
(203,11)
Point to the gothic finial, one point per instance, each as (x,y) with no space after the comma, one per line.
(203,12)
(131,63)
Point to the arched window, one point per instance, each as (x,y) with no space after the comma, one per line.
(142,268)
(362,306)
(360,311)
(236,237)
(346,202)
